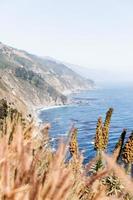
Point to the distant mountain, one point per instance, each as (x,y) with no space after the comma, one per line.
(36,81)
(104,76)
(89,73)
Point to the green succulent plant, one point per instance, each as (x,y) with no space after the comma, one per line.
(114,187)
(97,166)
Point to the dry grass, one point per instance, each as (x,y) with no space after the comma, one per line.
(29,170)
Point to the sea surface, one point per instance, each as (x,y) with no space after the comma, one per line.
(83,113)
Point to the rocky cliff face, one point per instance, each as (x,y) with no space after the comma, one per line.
(31,80)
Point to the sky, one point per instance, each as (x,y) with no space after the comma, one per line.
(96,34)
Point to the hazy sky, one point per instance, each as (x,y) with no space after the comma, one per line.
(93,33)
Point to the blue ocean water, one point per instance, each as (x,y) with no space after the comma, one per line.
(87,106)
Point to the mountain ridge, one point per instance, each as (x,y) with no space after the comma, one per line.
(36,81)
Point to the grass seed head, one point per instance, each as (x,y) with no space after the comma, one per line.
(128,150)
(73,145)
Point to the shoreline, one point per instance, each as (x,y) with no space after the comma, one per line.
(38,109)
(51,107)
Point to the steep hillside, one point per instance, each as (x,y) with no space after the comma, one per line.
(36,81)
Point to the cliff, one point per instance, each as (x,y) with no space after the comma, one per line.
(30,80)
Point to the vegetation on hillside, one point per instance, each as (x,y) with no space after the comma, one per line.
(4,63)
(36,80)
(30,170)
(30,76)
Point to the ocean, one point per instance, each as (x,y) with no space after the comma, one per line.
(83,113)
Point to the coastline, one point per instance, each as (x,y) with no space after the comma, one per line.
(36,110)
(43,108)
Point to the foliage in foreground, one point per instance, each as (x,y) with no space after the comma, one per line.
(30,170)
